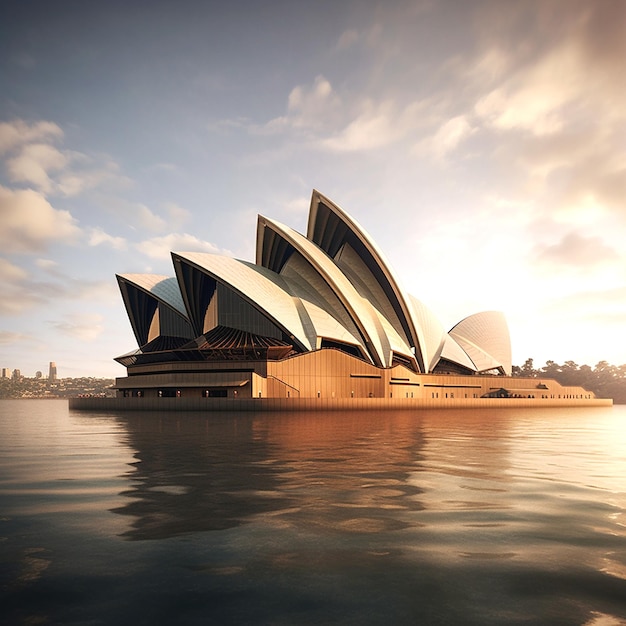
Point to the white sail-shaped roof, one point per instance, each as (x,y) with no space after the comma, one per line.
(431,330)
(331,289)
(485,337)
(163,288)
(325,326)
(264,289)
(356,253)
(154,304)
(454,353)
(359,309)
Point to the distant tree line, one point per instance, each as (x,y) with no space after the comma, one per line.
(605,380)
(24,387)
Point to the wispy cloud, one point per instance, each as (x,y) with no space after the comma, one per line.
(148,220)
(177,215)
(34,164)
(98,237)
(575,250)
(8,337)
(18,132)
(32,159)
(160,247)
(375,126)
(22,290)
(16,293)
(347,39)
(447,138)
(29,222)
(84,326)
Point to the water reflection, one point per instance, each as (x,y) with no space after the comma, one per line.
(337,472)
(349,473)
(194,473)
(435,517)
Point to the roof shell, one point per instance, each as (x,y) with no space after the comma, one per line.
(156,290)
(261,287)
(336,285)
(452,351)
(359,309)
(431,330)
(485,337)
(164,288)
(331,237)
(325,326)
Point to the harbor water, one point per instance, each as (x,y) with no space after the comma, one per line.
(501,516)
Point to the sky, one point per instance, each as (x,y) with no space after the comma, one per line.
(482,145)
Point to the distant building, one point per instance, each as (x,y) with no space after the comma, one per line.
(6,372)
(17,374)
(52,373)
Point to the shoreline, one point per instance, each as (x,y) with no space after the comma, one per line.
(321,404)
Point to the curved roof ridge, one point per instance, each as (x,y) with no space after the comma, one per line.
(263,289)
(482,360)
(488,332)
(163,288)
(157,289)
(433,333)
(357,307)
(393,290)
(452,351)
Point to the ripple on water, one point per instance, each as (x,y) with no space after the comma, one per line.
(435,517)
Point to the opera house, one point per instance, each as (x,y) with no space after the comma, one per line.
(318,321)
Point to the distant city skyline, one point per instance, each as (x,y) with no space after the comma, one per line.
(481,144)
(7,372)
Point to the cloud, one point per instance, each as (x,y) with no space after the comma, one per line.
(308,108)
(447,139)
(46,264)
(145,219)
(372,129)
(29,222)
(236,123)
(148,220)
(575,250)
(603,310)
(16,296)
(160,247)
(535,99)
(22,291)
(8,337)
(36,162)
(347,39)
(98,237)
(590,167)
(543,92)
(81,326)
(573,67)
(596,299)
(33,165)
(298,205)
(319,118)
(11,273)
(376,125)
(18,132)
(85,172)
(177,215)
